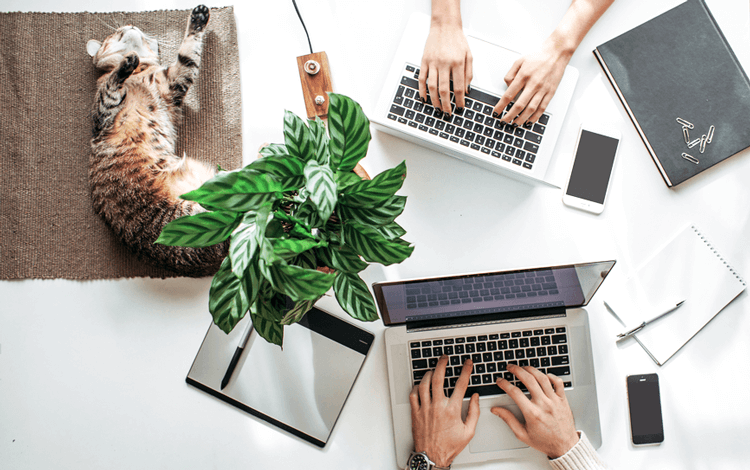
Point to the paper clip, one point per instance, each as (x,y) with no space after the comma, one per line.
(690,158)
(693,143)
(685,123)
(703,143)
(710,134)
(686,134)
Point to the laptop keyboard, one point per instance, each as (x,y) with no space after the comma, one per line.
(543,348)
(475,127)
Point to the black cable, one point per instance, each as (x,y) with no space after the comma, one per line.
(303,25)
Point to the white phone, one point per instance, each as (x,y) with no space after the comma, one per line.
(590,175)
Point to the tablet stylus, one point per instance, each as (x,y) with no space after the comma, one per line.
(237,354)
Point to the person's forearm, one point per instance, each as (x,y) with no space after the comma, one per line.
(578,20)
(446,12)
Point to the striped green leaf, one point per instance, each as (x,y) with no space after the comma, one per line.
(290,247)
(319,138)
(373,246)
(308,214)
(350,132)
(253,281)
(354,296)
(383,214)
(367,193)
(297,137)
(391,231)
(227,299)
(342,258)
(289,171)
(204,229)
(344,179)
(239,191)
(306,260)
(243,246)
(274,150)
(297,282)
(270,330)
(298,311)
(322,188)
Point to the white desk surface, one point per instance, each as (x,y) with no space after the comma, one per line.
(92,374)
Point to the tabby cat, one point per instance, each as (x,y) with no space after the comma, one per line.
(136,177)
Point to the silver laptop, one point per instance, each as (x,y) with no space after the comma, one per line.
(528,316)
(474,134)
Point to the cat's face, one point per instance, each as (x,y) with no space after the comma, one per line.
(109,54)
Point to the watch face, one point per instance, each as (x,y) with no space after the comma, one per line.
(418,462)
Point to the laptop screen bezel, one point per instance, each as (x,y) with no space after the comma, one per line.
(377,287)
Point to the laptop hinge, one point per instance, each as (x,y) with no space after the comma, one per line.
(485,319)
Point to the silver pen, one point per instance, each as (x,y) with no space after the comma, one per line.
(646,322)
(237,354)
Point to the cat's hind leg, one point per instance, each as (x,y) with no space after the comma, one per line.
(182,74)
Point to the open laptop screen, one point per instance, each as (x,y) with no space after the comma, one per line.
(489,293)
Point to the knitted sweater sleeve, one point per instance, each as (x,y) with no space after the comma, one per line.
(581,457)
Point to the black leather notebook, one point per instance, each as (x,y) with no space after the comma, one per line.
(683,88)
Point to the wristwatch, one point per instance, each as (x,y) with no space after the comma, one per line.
(420,461)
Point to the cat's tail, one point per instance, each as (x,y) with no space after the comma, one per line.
(185,261)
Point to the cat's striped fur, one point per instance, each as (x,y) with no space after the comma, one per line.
(136,177)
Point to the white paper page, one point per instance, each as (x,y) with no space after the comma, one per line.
(687,268)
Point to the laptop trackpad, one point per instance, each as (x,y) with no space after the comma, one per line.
(493,434)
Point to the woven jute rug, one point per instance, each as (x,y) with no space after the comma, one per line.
(48,228)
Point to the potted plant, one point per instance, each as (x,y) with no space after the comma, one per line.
(299,208)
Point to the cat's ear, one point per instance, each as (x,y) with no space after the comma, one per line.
(92,47)
(153,44)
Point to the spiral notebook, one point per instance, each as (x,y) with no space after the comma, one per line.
(688,268)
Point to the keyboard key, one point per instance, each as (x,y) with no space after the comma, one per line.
(479,118)
(418,374)
(398,110)
(423,128)
(557,339)
(402,120)
(544,119)
(418,106)
(469,114)
(531,147)
(560,360)
(558,371)
(427,352)
(392,116)
(410,115)
(434,131)
(539,129)
(410,82)
(432,362)
(419,364)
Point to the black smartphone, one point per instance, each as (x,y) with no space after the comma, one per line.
(646,424)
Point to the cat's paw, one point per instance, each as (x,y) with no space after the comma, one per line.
(199,18)
(128,65)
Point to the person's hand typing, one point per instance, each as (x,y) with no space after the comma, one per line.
(446,55)
(437,427)
(533,79)
(549,426)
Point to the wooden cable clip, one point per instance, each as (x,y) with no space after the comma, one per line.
(315,77)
